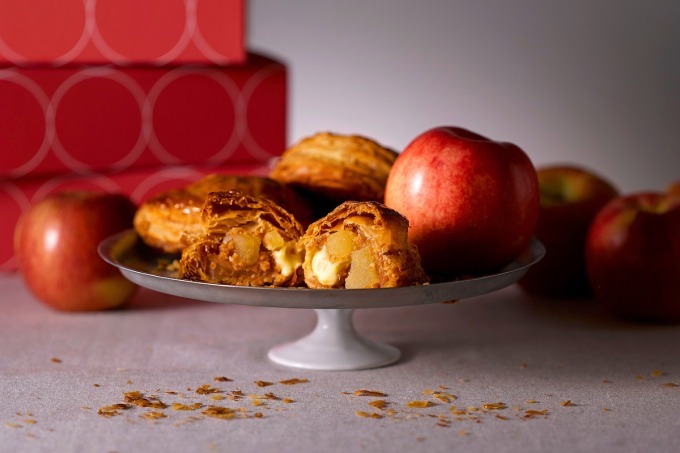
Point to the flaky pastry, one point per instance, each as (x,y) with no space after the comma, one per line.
(337,167)
(361,245)
(162,220)
(246,241)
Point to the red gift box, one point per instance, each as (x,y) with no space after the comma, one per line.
(16,196)
(122,31)
(109,119)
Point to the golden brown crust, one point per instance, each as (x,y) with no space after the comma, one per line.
(383,230)
(162,220)
(246,241)
(339,167)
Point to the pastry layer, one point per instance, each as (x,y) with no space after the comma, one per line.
(337,167)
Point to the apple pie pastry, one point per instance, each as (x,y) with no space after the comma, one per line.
(162,220)
(361,245)
(245,240)
(336,167)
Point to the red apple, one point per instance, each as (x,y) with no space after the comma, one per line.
(674,189)
(571,197)
(472,203)
(633,256)
(56,242)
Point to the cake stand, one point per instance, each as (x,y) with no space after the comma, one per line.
(334,344)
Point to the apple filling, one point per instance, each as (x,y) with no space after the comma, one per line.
(343,261)
(248,247)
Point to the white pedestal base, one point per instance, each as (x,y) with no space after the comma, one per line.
(334,345)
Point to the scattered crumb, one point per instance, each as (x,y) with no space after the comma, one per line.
(293,381)
(185,407)
(152,415)
(224,413)
(379,404)
(420,404)
(55,360)
(530,413)
(138,399)
(494,406)
(205,389)
(369,393)
(368,414)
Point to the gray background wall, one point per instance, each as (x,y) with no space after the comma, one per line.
(590,82)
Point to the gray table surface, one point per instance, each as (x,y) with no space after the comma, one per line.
(595,384)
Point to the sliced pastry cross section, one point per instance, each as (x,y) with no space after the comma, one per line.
(245,240)
(361,245)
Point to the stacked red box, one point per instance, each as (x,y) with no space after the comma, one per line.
(123,32)
(109,119)
(148,122)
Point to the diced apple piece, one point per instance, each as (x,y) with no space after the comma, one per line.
(272,240)
(247,248)
(362,273)
(340,245)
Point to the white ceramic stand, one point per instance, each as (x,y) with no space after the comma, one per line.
(334,345)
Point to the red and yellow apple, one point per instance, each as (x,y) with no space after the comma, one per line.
(472,203)
(633,257)
(571,197)
(56,241)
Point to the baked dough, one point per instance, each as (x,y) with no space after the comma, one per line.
(336,167)
(246,241)
(162,220)
(361,245)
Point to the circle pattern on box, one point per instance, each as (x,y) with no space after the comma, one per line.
(28,115)
(157,31)
(49,43)
(108,105)
(193,111)
(101,118)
